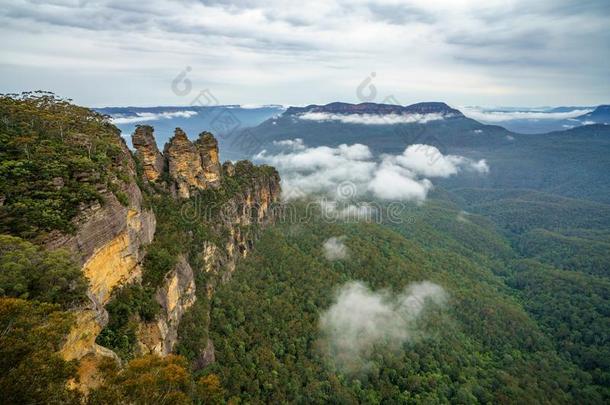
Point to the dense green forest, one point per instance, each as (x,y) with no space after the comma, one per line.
(54,156)
(513,330)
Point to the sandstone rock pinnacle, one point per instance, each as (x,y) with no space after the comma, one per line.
(207,146)
(146,147)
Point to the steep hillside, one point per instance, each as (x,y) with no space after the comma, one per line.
(137,242)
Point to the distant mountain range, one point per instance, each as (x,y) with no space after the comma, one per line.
(374,108)
(244,131)
(571,162)
(536,120)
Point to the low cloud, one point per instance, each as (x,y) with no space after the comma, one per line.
(360,211)
(491,116)
(427,160)
(149,116)
(362,320)
(295,144)
(258,106)
(320,170)
(393,182)
(373,119)
(335,249)
(348,172)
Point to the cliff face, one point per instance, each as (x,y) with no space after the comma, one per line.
(111,240)
(175,296)
(107,242)
(238,220)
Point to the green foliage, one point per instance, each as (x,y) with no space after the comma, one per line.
(127,307)
(486,348)
(29,272)
(32,371)
(193,329)
(154,380)
(158,262)
(563,283)
(574,309)
(586,255)
(518,211)
(53,154)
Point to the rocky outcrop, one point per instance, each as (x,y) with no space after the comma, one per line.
(207,146)
(110,241)
(241,217)
(239,220)
(147,151)
(175,296)
(228,169)
(108,244)
(191,166)
(184,164)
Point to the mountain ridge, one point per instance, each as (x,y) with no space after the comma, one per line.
(601,114)
(376,108)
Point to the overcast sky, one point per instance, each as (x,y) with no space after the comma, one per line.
(124,52)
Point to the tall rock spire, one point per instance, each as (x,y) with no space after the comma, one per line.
(207,146)
(191,166)
(184,164)
(146,147)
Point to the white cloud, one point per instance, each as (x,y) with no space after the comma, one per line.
(349,172)
(148,116)
(361,320)
(428,161)
(335,249)
(348,211)
(321,169)
(392,182)
(488,116)
(259,106)
(462,216)
(480,166)
(296,144)
(373,119)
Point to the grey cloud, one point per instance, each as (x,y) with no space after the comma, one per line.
(530,39)
(271,51)
(400,13)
